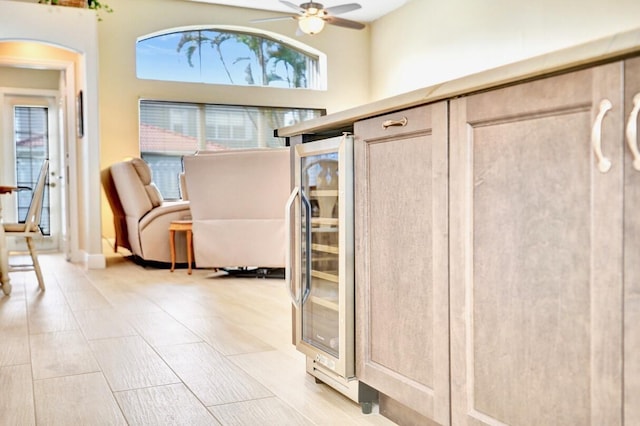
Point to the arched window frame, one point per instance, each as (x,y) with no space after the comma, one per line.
(321,79)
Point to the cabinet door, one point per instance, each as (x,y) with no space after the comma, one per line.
(536,253)
(632,251)
(401,258)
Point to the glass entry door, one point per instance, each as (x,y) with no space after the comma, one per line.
(33,135)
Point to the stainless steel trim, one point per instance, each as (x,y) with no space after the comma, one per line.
(343,362)
(287,261)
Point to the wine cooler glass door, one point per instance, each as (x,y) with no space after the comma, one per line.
(320,249)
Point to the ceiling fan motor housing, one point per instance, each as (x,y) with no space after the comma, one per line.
(312,5)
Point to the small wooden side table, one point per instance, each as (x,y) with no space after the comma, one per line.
(186,226)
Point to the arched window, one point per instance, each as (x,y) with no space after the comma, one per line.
(229,55)
(220,55)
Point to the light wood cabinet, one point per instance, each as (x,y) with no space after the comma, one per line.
(402,332)
(498,253)
(536,252)
(632,249)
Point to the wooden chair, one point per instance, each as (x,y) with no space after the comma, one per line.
(30,228)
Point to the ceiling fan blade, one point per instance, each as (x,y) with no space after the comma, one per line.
(292,6)
(276,18)
(333,20)
(343,8)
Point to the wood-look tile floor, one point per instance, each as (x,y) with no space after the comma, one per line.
(142,346)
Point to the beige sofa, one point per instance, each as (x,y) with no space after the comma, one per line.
(237,204)
(146,215)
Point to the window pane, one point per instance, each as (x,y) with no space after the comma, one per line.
(169,127)
(165,170)
(31,140)
(169,130)
(225,57)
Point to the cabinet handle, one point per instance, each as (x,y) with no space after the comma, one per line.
(391,123)
(604,164)
(287,261)
(632,132)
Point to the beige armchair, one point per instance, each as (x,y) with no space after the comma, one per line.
(237,205)
(146,215)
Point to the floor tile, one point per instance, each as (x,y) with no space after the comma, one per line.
(164,405)
(130,363)
(265,411)
(47,319)
(61,353)
(16,401)
(103,324)
(83,399)
(210,376)
(161,329)
(225,337)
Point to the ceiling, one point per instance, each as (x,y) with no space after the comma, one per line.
(371,9)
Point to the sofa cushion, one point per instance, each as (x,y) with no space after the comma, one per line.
(146,176)
(131,192)
(154,194)
(143,170)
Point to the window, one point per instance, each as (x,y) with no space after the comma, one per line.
(169,130)
(226,56)
(31,139)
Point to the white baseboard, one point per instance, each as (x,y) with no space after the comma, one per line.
(95,261)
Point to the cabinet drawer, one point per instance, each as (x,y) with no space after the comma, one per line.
(394,124)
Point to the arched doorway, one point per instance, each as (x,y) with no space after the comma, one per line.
(49,39)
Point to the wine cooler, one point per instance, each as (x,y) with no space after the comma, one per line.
(320,265)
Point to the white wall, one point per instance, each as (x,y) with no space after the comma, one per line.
(431,41)
(120,90)
(74,31)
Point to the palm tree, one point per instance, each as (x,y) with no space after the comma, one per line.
(264,50)
(293,61)
(268,54)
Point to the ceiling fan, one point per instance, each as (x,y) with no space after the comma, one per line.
(312,16)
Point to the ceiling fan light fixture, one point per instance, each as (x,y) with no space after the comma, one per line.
(311,24)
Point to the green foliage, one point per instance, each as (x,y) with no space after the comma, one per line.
(97,5)
(267,53)
(92,4)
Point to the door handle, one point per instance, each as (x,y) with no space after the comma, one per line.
(307,236)
(632,132)
(604,164)
(391,123)
(287,262)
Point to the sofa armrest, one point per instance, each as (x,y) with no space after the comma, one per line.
(171,210)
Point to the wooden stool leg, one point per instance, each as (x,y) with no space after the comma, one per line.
(189,248)
(34,259)
(172,246)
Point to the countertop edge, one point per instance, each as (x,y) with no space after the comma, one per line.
(602,50)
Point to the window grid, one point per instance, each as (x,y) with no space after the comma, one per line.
(169,130)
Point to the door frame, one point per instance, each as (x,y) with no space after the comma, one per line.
(69,243)
(50,99)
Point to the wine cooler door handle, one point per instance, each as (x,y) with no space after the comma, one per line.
(632,132)
(287,261)
(604,164)
(307,251)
